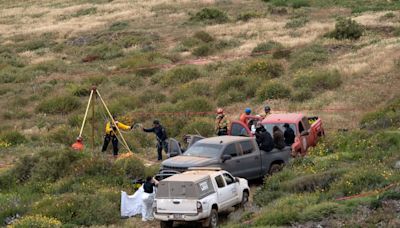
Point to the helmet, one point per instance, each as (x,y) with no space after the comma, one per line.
(156,122)
(220,111)
(247,110)
(267,108)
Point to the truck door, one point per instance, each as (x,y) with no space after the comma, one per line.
(303,138)
(223,191)
(239,129)
(232,190)
(250,161)
(232,165)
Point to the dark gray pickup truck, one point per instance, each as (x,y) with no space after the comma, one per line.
(237,155)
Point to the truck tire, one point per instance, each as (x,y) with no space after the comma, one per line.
(212,221)
(166,224)
(245,199)
(274,168)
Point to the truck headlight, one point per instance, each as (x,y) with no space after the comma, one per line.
(199,207)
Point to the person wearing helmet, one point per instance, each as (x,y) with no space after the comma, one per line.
(267,111)
(161,135)
(111,134)
(221,123)
(244,117)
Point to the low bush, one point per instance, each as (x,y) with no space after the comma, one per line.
(246,16)
(145,64)
(273,90)
(203,36)
(230,97)
(106,51)
(318,80)
(12,137)
(300,3)
(180,75)
(387,117)
(311,182)
(202,126)
(266,69)
(84,12)
(347,29)
(80,90)
(8,57)
(196,104)
(210,16)
(131,81)
(245,85)
(203,50)
(62,134)
(130,167)
(59,105)
(297,22)
(152,96)
(302,94)
(266,48)
(319,211)
(308,56)
(95,80)
(37,221)
(9,74)
(119,25)
(46,68)
(191,89)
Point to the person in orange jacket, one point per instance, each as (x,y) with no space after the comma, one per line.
(111,134)
(244,117)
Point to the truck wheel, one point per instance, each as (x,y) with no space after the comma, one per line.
(245,199)
(212,221)
(274,169)
(166,224)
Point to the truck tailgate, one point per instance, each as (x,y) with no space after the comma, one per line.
(177,206)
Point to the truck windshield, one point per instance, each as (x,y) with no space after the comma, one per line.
(204,150)
(280,125)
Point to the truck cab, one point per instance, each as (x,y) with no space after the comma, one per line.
(307,129)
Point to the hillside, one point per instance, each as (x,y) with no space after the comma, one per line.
(178,61)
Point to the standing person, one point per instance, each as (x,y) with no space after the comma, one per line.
(111,134)
(279,140)
(161,135)
(264,138)
(244,117)
(148,198)
(288,134)
(221,123)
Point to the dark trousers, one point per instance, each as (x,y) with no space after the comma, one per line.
(160,146)
(114,140)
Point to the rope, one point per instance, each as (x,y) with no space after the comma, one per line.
(86,113)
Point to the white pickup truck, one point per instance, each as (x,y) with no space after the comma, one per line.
(198,195)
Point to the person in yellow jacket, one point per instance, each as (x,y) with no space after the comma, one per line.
(111,134)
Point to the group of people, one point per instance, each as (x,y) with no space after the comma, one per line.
(112,128)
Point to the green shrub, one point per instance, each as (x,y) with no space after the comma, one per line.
(300,3)
(37,221)
(9,74)
(311,182)
(93,166)
(59,105)
(152,96)
(131,81)
(387,117)
(145,64)
(347,29)
(8,57)
(83,12)
(318,80)
(119,25)
(203,36)
(230,97)
(130,167)
(319,212)
(180,75)
(266,69)
(273,90)
(12,137)
(47,68)
(189,90)
(302,94)
(203,50)
(308,56)
(81,209)
(80,90)
(245,85)
(95,80)
(210,16)
(62,134)
(297,22)
(246,16)
(266,48)
(281,54)
(106,51)
(198,104)
(202,126)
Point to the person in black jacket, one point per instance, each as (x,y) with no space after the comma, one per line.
(279,139)
(288,134)
(264,138)
(161,135)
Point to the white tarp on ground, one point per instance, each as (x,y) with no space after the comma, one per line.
(131,205)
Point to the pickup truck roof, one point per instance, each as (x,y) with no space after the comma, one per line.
(283,118)
(192,176)
(223,140)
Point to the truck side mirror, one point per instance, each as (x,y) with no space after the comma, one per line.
(226,157)
(304,133)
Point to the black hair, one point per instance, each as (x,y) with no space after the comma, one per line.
(149,178)
(286,125)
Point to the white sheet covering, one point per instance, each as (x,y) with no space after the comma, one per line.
(131,205)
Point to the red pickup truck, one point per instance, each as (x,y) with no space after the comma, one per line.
(307,129)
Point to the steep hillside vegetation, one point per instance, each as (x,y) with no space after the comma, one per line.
(164,59)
